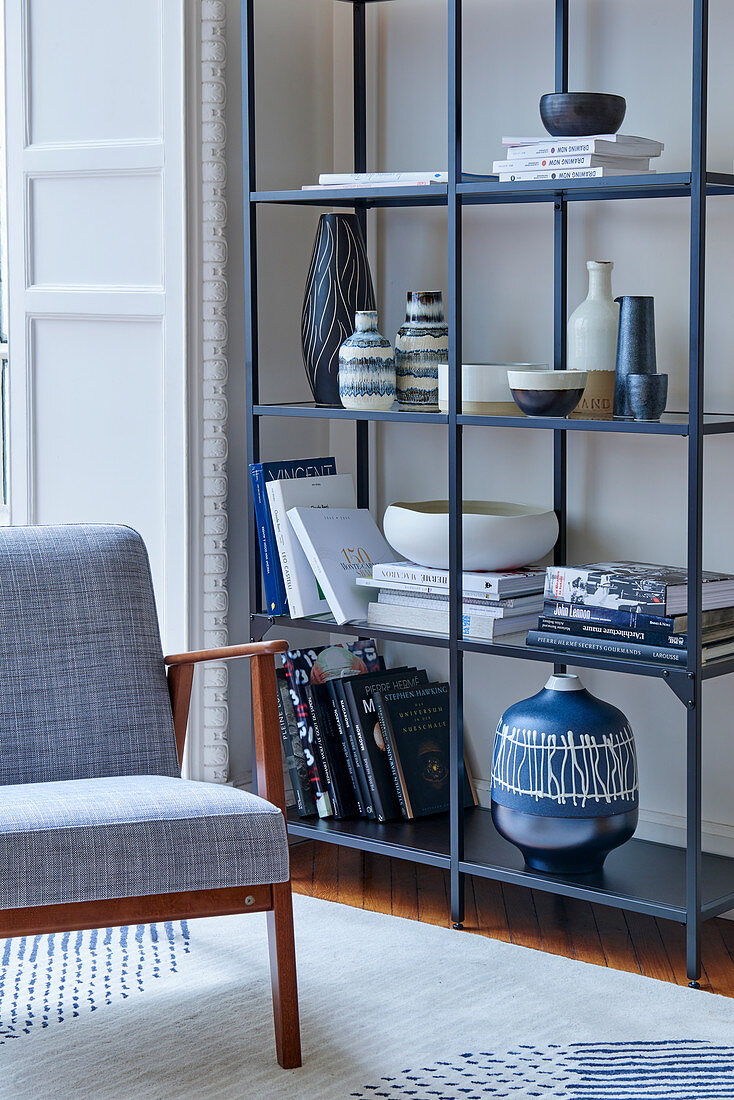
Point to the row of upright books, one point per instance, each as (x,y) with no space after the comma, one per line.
(634,611)
(360,740)
(549,158)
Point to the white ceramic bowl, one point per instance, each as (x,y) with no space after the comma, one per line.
(496,534)
(484,387)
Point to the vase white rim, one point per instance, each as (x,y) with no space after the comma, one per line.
(599,263)
(564,681)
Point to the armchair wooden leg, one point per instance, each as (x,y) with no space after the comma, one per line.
(283,977)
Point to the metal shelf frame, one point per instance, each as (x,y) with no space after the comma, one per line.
(636,876)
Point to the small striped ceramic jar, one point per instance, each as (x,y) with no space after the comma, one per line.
(420,345)
(366,367)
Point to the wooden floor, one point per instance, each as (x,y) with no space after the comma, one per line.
(562,926)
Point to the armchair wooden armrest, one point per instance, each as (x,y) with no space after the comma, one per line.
(266,726)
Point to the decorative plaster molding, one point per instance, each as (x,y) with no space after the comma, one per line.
(213,733)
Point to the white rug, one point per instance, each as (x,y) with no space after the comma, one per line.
(390,1008)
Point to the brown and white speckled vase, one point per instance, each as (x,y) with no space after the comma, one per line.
(420,345)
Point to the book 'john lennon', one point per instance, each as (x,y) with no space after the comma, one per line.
(634,586)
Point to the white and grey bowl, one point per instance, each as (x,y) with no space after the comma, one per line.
(496,534)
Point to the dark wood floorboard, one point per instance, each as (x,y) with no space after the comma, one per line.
(562,926)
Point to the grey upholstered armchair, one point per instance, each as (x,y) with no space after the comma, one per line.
(97,827)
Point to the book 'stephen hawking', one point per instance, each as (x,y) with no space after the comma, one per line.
(260,474)
(341,544)
(634,586)
(360,694)
(304,595)
(415,728)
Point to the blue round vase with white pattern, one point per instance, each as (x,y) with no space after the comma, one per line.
(564,778)
(366,366)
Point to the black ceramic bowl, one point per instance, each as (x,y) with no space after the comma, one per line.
(582,114)
(547,392)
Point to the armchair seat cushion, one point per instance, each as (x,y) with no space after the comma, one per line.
(97,839)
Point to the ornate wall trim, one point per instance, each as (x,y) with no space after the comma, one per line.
(213,754)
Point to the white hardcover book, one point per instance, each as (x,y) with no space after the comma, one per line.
(340,544)
(371,185)
(437,622)
(513,582)
(512,604)
(355,179)
(337,490)
(579,160)
(571,174)
(469,607)
(619,144)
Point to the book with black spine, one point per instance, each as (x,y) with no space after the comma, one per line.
(609,616)
(415,728)
(293,754)
(616,633)
(635,586)
(359,693)
(351,765)
(347,726)
(331,754)
(323,759)
(607,647)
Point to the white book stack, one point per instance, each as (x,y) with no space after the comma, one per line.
(576,158)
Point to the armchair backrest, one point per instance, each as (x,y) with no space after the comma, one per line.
(83,690)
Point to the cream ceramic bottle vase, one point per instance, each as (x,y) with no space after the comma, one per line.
(366,366)
(421,344)
(592,342)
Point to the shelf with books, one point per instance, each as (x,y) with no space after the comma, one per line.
(330,412)
(641,875)
(686,885)
(326,625)
(422,841)
(660,185)
(434,194)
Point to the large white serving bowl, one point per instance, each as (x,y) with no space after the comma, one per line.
(496,534)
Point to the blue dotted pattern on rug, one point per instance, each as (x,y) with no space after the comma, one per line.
(49,979)
(658,1070)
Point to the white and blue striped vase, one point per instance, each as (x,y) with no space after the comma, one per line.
(564,778)
(366,366)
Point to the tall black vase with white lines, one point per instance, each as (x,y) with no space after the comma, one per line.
(339,284)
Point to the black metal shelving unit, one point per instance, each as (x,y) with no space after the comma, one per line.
(682,884)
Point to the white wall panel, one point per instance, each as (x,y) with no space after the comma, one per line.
(96,230)
(95,72)
(97,414)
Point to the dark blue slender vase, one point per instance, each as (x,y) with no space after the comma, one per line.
(338,286)
(635,346)
(564,778)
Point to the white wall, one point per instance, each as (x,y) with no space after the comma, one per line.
(294,112)
(627,495)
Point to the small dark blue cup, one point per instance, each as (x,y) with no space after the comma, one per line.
(647,395)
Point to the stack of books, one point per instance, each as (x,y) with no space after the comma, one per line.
(634,611)
(576,158)
(360,740)
(496,606)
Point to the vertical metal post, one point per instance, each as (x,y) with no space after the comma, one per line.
(695,484)
(359,79)
(560,302)
(456,495)
(252,424)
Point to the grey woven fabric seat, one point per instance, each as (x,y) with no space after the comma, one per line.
(92,804)
(93,839)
